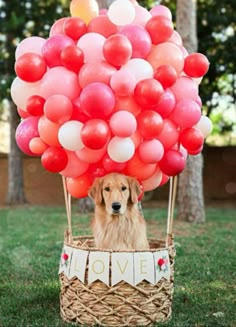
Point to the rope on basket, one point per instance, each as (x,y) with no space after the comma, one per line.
(67,197)
(171,209)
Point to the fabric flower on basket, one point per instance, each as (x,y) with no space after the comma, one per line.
(64,259)
(162,264)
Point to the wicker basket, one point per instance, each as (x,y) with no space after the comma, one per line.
(123,304)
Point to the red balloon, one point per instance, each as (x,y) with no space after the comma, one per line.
(111,165)
(117,49)
(102,25)
(166,75)
(147,92)
(150,124)
(77,113)
(97,100)
(34,105)
(196,65)
(169,135)
(53,47)
(74,27)
(196,152)
(166,104)
(72,58)
(164,180)
(160,29)
(30,67)
(22,113)
(78,187)
(191,139)
(172,163)
(95,134)
(54,159)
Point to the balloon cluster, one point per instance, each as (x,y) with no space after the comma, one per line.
(110,91)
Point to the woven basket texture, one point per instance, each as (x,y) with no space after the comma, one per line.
(120,305)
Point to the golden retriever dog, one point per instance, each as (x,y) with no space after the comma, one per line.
(118,223)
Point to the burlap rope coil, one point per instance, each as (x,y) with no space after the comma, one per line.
(122,304)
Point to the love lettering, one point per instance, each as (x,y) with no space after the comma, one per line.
(130,267)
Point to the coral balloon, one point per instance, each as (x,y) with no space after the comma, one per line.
(196,65)
(150,124)
(53,47)
(120,149)
(138,169)
(121,12)
(96,72)
(139,39)
(95,134)
(147,92)
(54,159)
(191,138)
(186,113)
(117,49)
(74,27)
(166,75)
(48,131)
(123,123)
(25,132)
(127,103)
(34,105)
(166,104)
(89,155)
(69,135)
(97,100)
(75,167)
(151,151)
(30,67)
(58,108)
(152,182)
(78,187)
(160,29)
(86,10)
(169,134)
(172,163)
(102,25)
(37,146)
(72,58)
(166,53)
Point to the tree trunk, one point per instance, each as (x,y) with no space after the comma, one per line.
(15,193)
(190,198)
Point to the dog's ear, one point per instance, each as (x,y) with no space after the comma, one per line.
(135,190)
(95,191)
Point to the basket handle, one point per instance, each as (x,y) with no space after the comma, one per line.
(67,196)
(171,208)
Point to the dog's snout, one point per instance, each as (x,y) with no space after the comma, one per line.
(116,206)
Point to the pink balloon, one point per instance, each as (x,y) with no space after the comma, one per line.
(59,80)
(185,88)
(161,10)
(166,104)
(96,72)
(122,83)
(152,182)
(57,27)
(33,44)
(142,16)
(139,38)
(151,151)
(92,46)
(186,113)
(127,103)
(176,38)
(58,108)
(25,132)
(169,135)
(166,53)
(123,123)
(75,167)
(90,155)
(53,47)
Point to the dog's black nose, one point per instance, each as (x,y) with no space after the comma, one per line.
(116,206)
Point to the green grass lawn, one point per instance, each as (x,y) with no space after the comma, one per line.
(30,246)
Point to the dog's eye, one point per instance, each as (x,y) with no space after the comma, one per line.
(107,189)
(123,188)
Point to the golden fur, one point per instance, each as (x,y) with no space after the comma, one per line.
(118,223)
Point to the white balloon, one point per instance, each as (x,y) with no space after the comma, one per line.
(21,91)
(140,68)
(205,126)
(92,46)
(152,182)
(121,12)
(69,135)
(120,149)
(32,44)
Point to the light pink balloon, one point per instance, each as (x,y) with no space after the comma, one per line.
(123,83)
(92,46)
(152,182)
(75,167)
(151,151)
(32,44)
(186,113)
(161,10)
(176,38)
(142,16)
(57,27)
(123,123)
(166,53)
(185,88)
(59,80)
(90,155)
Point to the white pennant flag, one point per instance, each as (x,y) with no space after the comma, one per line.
(78,264)
(66,256)
(144,267)
(162,265)
(99,267)
(122,268)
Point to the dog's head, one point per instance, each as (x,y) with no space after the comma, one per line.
(115,191)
